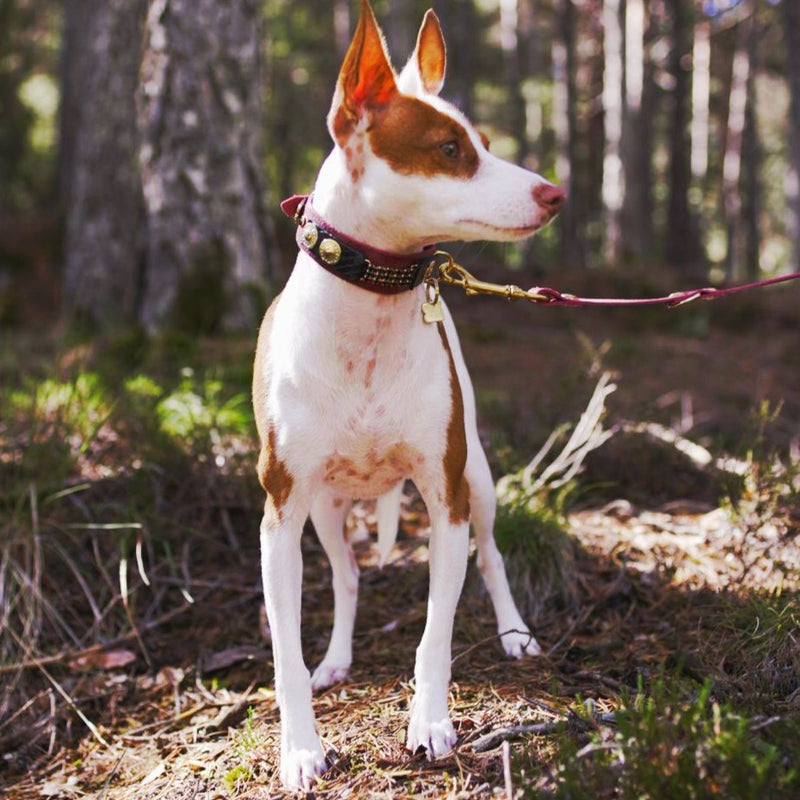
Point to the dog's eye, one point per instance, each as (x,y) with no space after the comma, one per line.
(449,149)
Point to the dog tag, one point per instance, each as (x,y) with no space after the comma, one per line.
(432,312)
(432,307)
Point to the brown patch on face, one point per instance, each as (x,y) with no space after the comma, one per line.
(484,139)
(455,454)
(273,475)
(415,138)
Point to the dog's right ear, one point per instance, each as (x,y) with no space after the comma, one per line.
(366,79)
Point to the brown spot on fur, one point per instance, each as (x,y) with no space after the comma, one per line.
(371,364)
(273,475)
(455,454)
(484,139)
(409,134)
(260,371)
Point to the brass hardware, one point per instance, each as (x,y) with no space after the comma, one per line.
(310,234)
(456,275)
(432,307)
(330,251)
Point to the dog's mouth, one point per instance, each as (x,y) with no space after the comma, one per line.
(506,231)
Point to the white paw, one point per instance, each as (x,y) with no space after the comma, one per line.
(520,643)
(328,673)
(301,766)
(437,737)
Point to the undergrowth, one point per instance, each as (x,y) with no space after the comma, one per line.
(118,510)
(662,746)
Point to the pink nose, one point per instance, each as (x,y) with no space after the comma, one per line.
(550,197)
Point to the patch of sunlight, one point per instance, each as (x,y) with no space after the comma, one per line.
(40,94)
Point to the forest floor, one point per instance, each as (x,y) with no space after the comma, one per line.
(135,663)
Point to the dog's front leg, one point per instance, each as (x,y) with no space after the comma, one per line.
(302,758)
(430,726)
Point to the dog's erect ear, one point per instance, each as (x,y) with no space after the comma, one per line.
(425,69)
(366,79)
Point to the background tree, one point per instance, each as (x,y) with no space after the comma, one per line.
(104,242)
(636,218)
(637,110)
(565,100)
(683,249)
(199,115)
(791,19)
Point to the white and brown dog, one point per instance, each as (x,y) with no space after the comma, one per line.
(356,391)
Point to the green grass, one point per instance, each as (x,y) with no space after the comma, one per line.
(663,746)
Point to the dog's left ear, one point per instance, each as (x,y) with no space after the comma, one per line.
(424,71)
(366,80)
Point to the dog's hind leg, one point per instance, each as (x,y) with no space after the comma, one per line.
(388,513)
(517,640)
(328,513)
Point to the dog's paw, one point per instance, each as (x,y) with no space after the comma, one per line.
(520,643)
(328,673)
(437,737)
(301,766)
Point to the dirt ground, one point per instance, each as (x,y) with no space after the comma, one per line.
(183,706)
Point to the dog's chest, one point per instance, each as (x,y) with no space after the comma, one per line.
(378,380)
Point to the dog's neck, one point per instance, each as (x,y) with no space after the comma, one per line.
(352,207)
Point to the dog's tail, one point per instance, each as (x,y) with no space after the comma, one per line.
(388,513)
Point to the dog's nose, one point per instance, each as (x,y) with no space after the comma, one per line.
(550,197)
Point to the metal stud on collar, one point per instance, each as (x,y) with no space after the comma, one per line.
(330,251)
(310,234)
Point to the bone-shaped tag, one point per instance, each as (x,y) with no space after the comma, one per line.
(432,307)
(432,312)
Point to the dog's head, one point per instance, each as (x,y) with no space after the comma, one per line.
(417,156)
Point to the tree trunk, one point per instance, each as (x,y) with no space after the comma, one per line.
(701,97)
(509,44)
(401,30)
(791,30)
(100,179)
(208,259)
(613,190)
(637,210)
(565,123)
(458,18)
(683,242)
(733,178)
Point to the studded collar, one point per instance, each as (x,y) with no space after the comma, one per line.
(353,261)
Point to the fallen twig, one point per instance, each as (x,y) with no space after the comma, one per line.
(490,740)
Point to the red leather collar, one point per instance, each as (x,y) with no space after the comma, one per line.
(353,261)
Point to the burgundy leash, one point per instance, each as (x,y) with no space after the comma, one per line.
(553,296)
(451,273)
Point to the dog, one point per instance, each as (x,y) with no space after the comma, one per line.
(359,382)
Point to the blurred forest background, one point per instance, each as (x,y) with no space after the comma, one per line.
(144,146)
